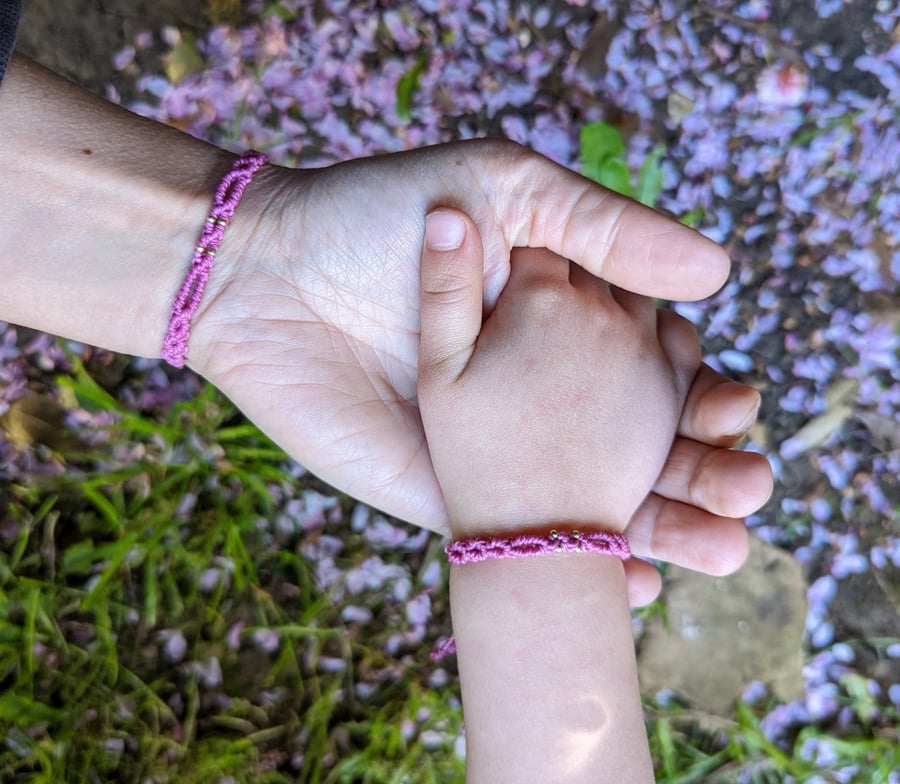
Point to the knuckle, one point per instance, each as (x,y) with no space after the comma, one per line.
(447,283)
(502,148)
(518,161)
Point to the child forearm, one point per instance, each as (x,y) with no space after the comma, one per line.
(537,641)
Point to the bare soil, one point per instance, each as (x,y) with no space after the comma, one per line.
(77,38)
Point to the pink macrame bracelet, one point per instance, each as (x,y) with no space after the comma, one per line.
(228,194)
(466,551)
(524,545)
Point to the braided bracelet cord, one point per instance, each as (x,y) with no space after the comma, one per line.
(228,194)
(477,549)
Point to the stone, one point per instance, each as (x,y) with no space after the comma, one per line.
(720,633)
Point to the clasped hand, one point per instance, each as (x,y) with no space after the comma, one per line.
(311,325)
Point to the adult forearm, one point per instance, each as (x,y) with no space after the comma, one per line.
(548,673)
(99,212)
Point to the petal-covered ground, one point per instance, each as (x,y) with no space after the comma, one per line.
(774,128)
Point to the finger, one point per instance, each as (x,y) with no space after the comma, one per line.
(613,237)
(530,266)
(636,305)
(725,482)
(642,581)
(671,531)
(679,341)
(718,411)
(452,279)
(580,278)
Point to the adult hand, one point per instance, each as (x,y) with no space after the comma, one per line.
(311,321)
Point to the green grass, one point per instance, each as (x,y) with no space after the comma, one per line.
(738,752)
(105,564)
(134,586)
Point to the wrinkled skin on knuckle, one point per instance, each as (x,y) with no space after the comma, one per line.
(451,285)
(500,150)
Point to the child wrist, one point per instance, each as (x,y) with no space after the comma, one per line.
(465,552)
(511,526)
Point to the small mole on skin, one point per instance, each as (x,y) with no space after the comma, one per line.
(86,151)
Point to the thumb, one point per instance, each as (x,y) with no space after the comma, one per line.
(451,298)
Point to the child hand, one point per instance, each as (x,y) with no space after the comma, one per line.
(558,410)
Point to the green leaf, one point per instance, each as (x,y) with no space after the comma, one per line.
(694,217)
(600,142)
(591,170)
(103,505)
(79,558)
(667,747)
(407,86)
(86,391)
(863,703)
(602,157)
(151,588)
(10,634)
(277,9)
(24,712)
(650,178)
(183,60)
(614,175)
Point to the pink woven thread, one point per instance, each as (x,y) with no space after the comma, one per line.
(466,551)
(228,194)
(524,545)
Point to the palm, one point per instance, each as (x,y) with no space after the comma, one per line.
(325,355)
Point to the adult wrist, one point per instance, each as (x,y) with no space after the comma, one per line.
(255,236)
(103,207)
(221,212)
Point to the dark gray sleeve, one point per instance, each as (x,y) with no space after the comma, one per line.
(9,21)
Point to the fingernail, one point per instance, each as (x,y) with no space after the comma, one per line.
(749,418)
(444,230)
